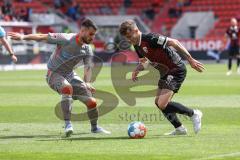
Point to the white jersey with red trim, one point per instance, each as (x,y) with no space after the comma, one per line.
(68,54)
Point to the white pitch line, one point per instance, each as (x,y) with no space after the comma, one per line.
(220,156)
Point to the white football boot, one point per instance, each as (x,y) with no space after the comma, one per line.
(238,70)
(197,120)
(228,73)
(68,130)
(100,130)
(178,131)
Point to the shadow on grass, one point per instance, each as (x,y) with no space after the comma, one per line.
(171,136)
(112,138)
(86,138)
(35,136)
(61,137)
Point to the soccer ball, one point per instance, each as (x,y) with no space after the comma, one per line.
(136,130)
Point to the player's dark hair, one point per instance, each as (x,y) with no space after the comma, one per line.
(127,26)
(89,24)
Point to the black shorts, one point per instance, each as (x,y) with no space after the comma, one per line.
(173,81)
(233,51)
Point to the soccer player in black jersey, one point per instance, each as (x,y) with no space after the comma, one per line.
(233,33)
(154,49)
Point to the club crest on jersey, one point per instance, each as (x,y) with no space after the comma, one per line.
(145,49)
(169,78)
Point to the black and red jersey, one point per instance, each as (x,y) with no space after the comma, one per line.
(233,33)
(154,47)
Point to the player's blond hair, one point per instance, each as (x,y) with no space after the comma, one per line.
(234,20)
(127,26)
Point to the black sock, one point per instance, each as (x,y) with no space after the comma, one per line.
(238,62)
(172,117)
(175,107)
(229,63)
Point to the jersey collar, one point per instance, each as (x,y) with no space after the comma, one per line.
(77,39)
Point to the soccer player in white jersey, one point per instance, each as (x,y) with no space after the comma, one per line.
(71,49)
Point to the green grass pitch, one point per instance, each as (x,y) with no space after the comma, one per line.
(30,130)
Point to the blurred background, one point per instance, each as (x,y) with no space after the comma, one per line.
(199,24)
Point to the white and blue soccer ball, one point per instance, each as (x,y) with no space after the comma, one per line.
(137,130)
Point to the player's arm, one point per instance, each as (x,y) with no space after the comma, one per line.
(28,37)
(88,63)
(161,41)
(225,41)
(9,48)
(87,69)
(52,38)
(6,44)
(198,66)
(142,64)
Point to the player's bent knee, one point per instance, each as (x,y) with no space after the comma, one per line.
(161,105)
(156,102)
(67,90)
(91,103)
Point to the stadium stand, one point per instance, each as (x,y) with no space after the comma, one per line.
(162,22)
(159,15)
(223,11)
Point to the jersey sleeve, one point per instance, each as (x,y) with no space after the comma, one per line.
(58,38)
(157,40)
(2,32)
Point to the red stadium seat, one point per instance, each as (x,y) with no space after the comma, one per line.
(223,9)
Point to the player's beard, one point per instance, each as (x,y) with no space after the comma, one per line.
(86,40)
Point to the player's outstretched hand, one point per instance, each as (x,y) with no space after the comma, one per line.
(15,36)
(198,66)
(90,87)
(135,76)
(14,58)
